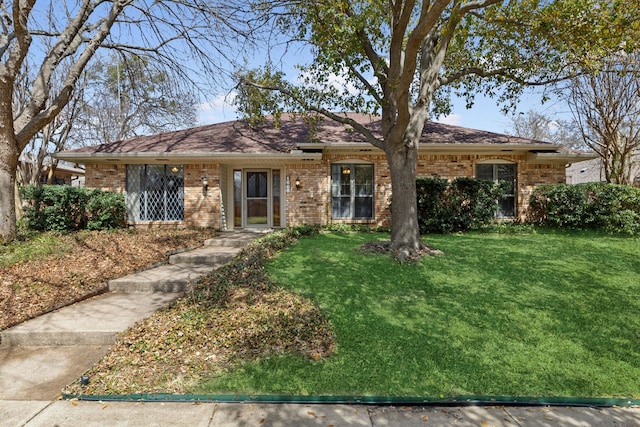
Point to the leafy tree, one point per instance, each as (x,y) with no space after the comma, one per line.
(403,59)
(605,101)
(189,39)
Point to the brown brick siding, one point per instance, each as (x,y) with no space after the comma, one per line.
(311,204)
(106,177)
(202,209)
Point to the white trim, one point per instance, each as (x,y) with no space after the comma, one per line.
(352,162)
(496,162)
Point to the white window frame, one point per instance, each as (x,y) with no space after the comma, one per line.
(337,171)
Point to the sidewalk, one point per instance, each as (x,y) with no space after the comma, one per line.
(39,357)
(76,413)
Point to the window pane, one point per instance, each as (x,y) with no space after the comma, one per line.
(484,171)
(507,173)
(335,180)
(237,198)
(276,197)
(256,184)
(341,207)
(507,206)
(135,177)
(154,206)
(364,207)
(174,193)
(364,180)
(501,173)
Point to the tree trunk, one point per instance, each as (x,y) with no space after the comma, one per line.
(8,165)
(405,233)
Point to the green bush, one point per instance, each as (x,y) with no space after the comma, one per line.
(462,204)
(609,207)
(106,210)
(65,208)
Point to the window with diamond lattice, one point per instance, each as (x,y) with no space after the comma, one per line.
(155,193)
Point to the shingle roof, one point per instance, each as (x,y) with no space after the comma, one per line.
(238,137)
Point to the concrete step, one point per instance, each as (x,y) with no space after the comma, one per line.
(165,278)
(236,239)
(95,321)
(214,256)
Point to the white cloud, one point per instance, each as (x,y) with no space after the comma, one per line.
(219,109)
(451,119)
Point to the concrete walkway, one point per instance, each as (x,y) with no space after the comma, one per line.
(39,357)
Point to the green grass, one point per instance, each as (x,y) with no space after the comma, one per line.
(32,247)
(531,314)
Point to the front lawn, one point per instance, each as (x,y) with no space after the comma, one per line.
(531,314)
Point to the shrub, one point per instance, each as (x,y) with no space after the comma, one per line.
(106,210)
(462,204)
(609,207)
(65,208)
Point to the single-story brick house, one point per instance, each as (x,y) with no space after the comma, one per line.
(229,175)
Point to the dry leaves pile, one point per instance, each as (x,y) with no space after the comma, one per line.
(86,261)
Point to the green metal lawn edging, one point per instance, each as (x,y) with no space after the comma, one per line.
(362,400)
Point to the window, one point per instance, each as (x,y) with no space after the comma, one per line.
(503,173)
(155,193)
(352,191)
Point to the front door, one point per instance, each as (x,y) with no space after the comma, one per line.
(257,206)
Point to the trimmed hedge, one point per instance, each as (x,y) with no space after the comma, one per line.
(459,205)
(609,207)
(65,208)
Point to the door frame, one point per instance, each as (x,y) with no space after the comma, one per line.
(245,204)
(230,194)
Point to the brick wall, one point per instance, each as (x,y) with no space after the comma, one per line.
(311,204)
(202,209)
(106,177)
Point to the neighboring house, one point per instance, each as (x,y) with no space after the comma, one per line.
(589,171)
(229,175)
(63,174)
(593,171)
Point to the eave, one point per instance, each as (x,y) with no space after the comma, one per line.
(189,158)
(551,158)
(431,148)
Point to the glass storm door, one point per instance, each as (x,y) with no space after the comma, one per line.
(257,198)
